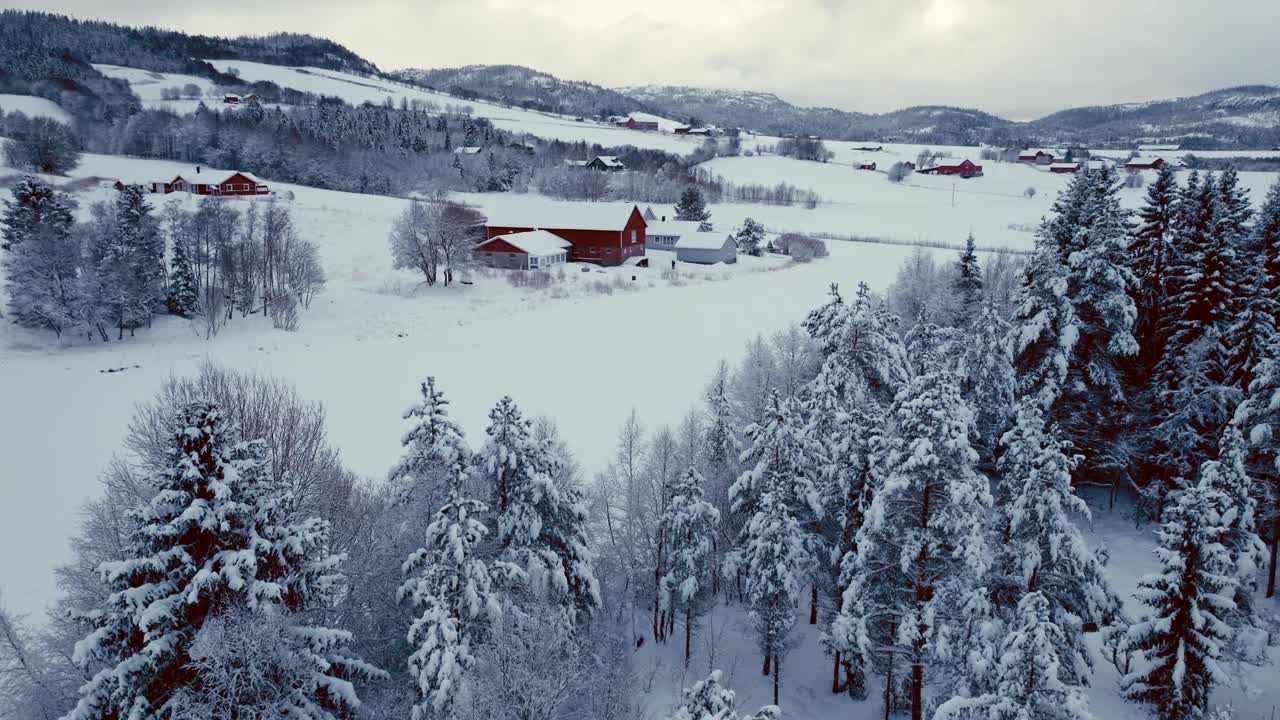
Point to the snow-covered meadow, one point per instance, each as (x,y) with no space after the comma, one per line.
(33,107)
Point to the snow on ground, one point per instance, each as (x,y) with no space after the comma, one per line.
(356,89)
(928,208)
(33,106)
(147,85)
(724,639)
(584,357)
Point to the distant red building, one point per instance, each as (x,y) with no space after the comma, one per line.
(634,124)
(1035,157)
(1144,164)
(242,183)
(867,166)
(1064,168)
(601,233)
(965,169)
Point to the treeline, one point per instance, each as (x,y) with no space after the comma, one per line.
(125,265)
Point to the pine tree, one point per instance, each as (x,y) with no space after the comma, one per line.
(1028,682)
(967,284)
(1257,418)
(1152,251)
(1040,549)
(750,237)
(448,578)
(775,563)
(692,206)
(36,207)
(213,538)
(184,298)
(1264,243)
(1238,512)
(541,524)
(931,498)
(435,450)
(988,382)
(709,700)
(42,258)
(691,525)
(1184,635)
(865,359)
(778,457)
(1075,321)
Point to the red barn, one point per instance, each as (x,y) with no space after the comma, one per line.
(1064,168)
(965,169)
(634,124)
(602,233)
(867,166)
(1144,164)
(1035,157)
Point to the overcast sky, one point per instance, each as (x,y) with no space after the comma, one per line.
(1017,58)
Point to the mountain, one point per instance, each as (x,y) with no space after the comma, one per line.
(524,87)
(1245,116)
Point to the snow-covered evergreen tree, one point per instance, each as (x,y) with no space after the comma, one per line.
(42,257)
(778,457)
(184,298)
(923,542)
(691,525)
(1264,242)
(1028,677)
(709,700)
(1075,320)
(692,205)
(1184,636)
(541,523)
(864,357)
(1040,549)
(988,381)
(750,237)
(213,538)
(36,207)
(1152,251)
(435,450)
(967,284)
(1258,419)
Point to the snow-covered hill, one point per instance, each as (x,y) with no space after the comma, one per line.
(358,89)
(32,106)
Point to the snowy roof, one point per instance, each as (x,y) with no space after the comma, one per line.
(247,175)
(1064,166)
(576,163)
(1159,147)
(1032,152)
(609,160)
(671,228)
(1142,160)
(564,216)
(467,150)
(703,241)
(538,243)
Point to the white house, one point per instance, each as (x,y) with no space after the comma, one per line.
(707,248)
(663,234)
(530,250)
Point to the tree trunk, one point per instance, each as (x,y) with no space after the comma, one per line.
(888,690)
(835,673)
(768,666)
(813,604)
(917,691)
(688,633)
(777,677)
(1271,575)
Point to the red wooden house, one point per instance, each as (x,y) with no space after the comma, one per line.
(1144,164)
(867,166)
(1064,168)
(238,183)
(965,169)
(1036,157)
(602,233)
(634,124)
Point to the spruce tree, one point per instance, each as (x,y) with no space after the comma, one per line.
(448,580)
(1028,678)
(541,523)
(1152,251)
(1040,549)
(36,207)
(692,205)
(1264,243)
(967,284)
(42,258)
(1258,418)
(923,542)
(691,524)
(750,237)
(709,700)
(988,382)
(1185,632)
(215,537)
(183,299)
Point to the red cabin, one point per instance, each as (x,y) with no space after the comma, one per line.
(601,233)
(1144,164)
(867,166)
(965,169)
(242,183)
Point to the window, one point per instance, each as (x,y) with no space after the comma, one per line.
(633,236)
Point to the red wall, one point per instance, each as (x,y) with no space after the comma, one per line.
(607,247)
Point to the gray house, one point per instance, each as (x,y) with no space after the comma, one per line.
(707,248)
(663,234)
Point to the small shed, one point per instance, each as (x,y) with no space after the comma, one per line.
(707,248)
(867,166)
(1064,168)
(606,162)
(530,250)
(1144,164)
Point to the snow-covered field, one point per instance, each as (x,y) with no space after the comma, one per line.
(356,89)
(33,106)
(582,357)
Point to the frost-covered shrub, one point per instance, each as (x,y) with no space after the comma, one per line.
(284,312)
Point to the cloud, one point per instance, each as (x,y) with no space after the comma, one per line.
(1020,58)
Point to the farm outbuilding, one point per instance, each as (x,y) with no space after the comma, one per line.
(664,234)
(1064,168)
(1036,156)
(601,233)
(1144,164)
(531,250)
(965,169)
(707,248)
